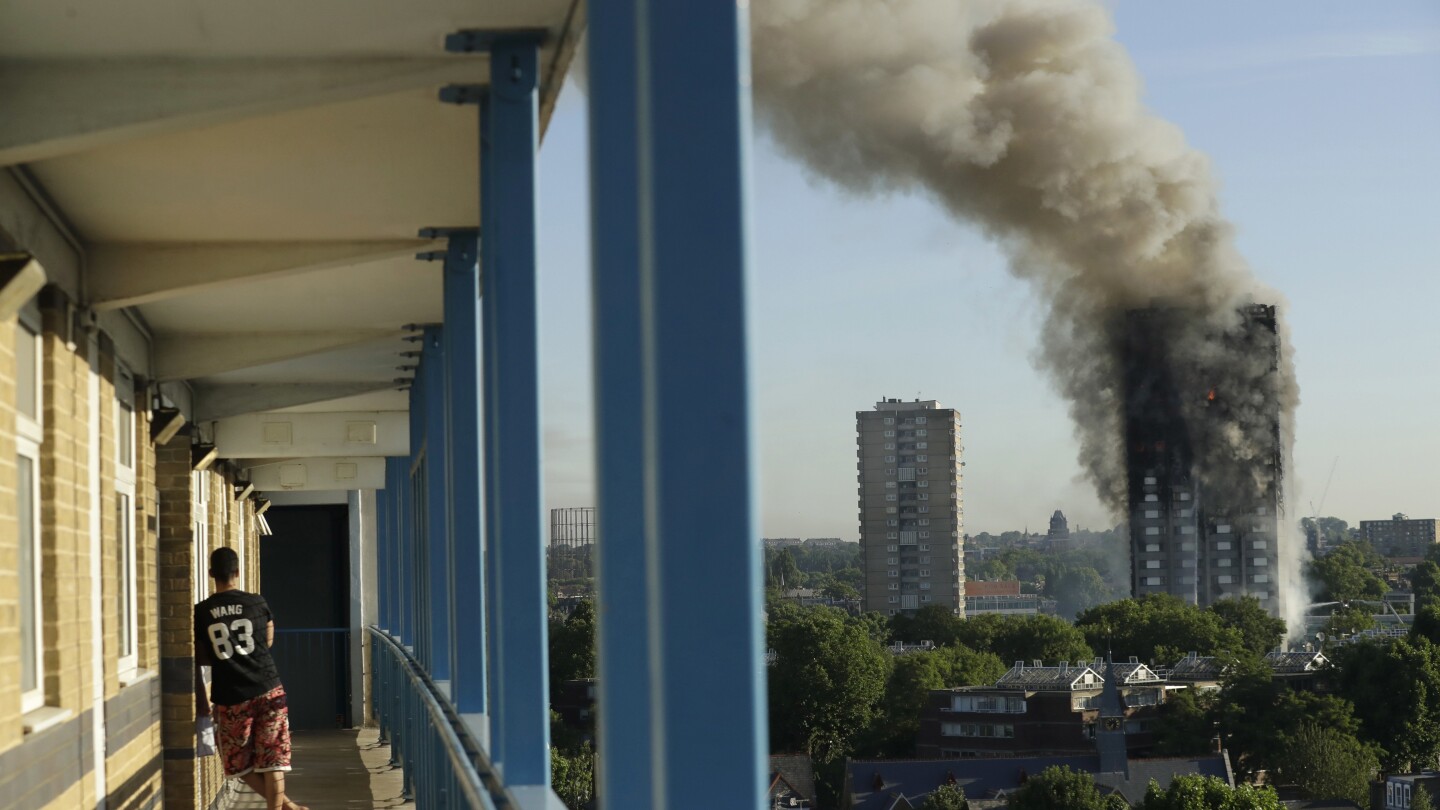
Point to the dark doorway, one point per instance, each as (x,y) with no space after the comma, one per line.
(305,576)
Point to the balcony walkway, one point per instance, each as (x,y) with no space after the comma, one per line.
(338,770)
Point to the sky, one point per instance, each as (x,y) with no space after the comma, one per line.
(1322,120)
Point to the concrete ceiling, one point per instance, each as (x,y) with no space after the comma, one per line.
(194,139)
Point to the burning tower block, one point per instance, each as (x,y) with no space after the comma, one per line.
(1204,459)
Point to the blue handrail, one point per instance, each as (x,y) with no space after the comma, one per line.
(444,766)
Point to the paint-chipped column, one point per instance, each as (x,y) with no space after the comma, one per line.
(462,395)
(669,110)
(520,726)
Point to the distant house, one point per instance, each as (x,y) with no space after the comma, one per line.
(879,785)
(1298,670)
(1203,672)
(1035,710)
(1400,788)
(988,779)
(792,781)
(575,703)
(1002,597)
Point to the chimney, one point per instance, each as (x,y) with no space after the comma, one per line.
(1037,663)
(1019,664)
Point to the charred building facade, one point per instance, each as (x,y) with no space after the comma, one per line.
(1204,463)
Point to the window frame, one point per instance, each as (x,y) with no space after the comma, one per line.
(29,438)
(128,662)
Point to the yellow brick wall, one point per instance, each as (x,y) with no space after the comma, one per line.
(67,589)
(165,574)
(64,520)
(10,725)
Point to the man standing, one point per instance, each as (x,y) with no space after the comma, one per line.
(233,634)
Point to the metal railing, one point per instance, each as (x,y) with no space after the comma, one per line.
(443,765)
(314,663)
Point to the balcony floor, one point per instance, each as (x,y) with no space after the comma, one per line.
(338,770)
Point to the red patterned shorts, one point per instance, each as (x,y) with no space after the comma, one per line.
(254,735)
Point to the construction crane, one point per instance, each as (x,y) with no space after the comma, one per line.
(1315,519)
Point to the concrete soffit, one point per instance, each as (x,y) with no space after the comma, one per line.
(319,474)
(60,106)
(123,275)
(215,402)
(263,438)
(190,356)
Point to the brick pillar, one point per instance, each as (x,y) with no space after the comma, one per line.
(177,653)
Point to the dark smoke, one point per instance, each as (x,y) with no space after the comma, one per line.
(1024,117)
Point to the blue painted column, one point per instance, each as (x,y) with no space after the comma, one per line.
(396,481)
(623,650)
(415,521)
(437,504)
(520,726)
(382,558)
(683,113)
(489,349)
(462,430)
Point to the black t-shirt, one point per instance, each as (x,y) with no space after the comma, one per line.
(230,627)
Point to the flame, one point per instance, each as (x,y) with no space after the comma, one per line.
(1211,396)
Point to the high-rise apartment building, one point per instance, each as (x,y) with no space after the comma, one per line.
(1400,536)
(1197,542)
(911,513)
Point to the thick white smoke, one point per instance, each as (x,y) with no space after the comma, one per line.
(1024,117)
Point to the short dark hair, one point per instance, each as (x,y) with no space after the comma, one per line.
(224,563)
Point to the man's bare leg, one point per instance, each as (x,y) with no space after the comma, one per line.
(262,785)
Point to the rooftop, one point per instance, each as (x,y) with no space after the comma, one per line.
(1295,662)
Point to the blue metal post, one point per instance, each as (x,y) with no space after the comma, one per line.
(432,358)
(521,734)
(382,557)
(623,658)
(462,381)
(414,507)
(396,469)
(688,121)
(489,392)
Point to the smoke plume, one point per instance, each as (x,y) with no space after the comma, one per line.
(1024,117)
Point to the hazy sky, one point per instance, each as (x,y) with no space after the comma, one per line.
(1322,121)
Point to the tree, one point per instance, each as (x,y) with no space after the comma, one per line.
(827,679)
(1348,620)
(930,623)
(1255,715)
(1259,631)
(1185,723)
(1158,628)
(572,645)
(1329,764)
(1427,623)
(1345,573)
(1420,798)
(1024,638)
(1196,792)
(946,797)
(1058,788)
(573,776)
(1425,582)
(1076,588)
(1395,686)
(908,689)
